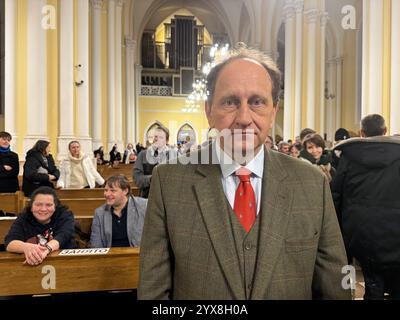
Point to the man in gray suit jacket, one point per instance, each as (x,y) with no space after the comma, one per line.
(198,241)
(119,222)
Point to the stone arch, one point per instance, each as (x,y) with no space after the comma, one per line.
(196,136)
(157,5)
(149,128)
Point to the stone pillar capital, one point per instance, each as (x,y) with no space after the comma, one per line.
(97,4)
(311,15)
(324,19)
(298,6)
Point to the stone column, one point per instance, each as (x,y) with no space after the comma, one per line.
(395,72)
(118,74)
(10,69)
(324,20)
(311,18)
(111,74)
(298,63)
(66,82)
(130,46)
(36,115)
(372,61)
(138,79)
(288,117)
(330,111)
(339,65)
(82,74)
(97,6)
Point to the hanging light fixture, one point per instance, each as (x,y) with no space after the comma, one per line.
(200,93)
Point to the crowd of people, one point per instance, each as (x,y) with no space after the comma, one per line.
(278,222)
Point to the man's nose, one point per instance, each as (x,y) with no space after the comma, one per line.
(243,116)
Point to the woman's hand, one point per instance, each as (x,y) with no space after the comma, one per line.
(7,167)
(35,253)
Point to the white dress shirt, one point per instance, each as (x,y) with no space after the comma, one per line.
(229,179)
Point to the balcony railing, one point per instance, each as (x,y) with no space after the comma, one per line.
(156,91)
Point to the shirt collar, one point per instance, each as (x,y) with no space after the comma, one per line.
(229,166)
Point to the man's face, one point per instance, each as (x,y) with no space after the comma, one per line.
(115,196)
(160,139)
(242,103)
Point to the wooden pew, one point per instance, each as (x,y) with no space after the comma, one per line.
(80,193)
(85,223)
(125,169)
(10,202)
(87,193)
(83,206)
(5,225)
(116,270)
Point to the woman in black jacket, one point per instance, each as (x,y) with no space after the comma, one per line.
(44,226)
(39,168)
(9,165)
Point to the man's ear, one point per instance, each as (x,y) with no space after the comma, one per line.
(207,109)
(362,133)
(385,131)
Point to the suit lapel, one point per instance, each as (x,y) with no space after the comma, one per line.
(108,226)
(131,222)
(275,204)
(211,200)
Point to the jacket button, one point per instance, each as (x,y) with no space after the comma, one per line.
(248,246)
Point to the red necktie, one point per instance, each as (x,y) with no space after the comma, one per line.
(245,200)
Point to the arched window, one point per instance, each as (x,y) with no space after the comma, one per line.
(185,134)
(150,132)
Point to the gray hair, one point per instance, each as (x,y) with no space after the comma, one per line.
(241,51)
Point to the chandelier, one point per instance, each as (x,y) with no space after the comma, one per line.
(199,94)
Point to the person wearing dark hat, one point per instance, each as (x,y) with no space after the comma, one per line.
(340,135)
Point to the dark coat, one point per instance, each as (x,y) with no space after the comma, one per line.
(32,179)
(9,179)
(366,193)
(26,227)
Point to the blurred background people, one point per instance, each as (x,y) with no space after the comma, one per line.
(99,156)
(9,165)
(77,170)
(39,168)
(115,156)
(158,152)
(315,153)
(129,154)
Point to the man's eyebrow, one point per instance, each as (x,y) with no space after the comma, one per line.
(229,96)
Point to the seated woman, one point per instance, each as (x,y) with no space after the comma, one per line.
(314,151)
(77,170)
(99,156)
(9,165)
(39,168)
(44,226)
(119,222)
(115,156)
(129,154)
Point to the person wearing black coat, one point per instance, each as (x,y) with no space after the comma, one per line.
(9,165)
(366,193)
(44,226)
(39,168)
(115,155)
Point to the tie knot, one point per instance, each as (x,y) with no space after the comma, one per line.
(243,174)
